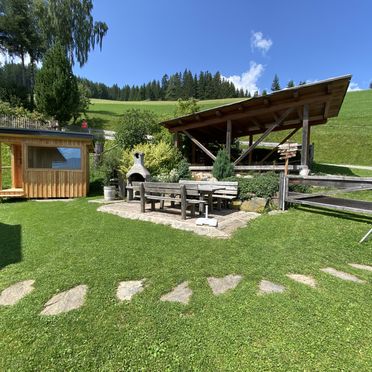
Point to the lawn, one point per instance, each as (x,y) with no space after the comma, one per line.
(61,245)
(346,139)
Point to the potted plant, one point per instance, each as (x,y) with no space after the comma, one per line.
(109,169)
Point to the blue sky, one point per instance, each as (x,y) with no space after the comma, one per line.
(247,41)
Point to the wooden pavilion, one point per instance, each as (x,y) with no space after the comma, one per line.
(288,110)
(46,163)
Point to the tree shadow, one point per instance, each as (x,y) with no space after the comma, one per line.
(10,244)
(337,214)
(332,169)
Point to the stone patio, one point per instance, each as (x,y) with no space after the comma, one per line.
(228,219)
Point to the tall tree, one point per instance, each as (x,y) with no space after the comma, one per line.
(275,84)
(56,87)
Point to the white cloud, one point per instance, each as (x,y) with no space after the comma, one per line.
(259,42)
(248,79)
(353,87)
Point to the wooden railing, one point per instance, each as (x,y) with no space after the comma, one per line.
(11,121)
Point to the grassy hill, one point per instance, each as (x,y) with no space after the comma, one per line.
(346,139)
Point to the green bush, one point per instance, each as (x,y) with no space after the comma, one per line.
(262,185)
(135,128)
(110,166)
(160,159)
(222,167)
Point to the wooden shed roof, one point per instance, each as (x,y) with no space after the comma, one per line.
(254,115)
(55,134)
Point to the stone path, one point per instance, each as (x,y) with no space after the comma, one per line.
(126,290)
(228,220)
(66,301)
(222,285)
(181,293)
(361,267)
(14,293)
(304,279)
(74,298)
(342,275)
(266,287)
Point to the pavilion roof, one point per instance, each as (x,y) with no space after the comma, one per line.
(255,115)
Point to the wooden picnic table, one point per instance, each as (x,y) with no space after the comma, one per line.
(207,190)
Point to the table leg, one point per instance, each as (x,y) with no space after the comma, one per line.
(201,205)
(210,201)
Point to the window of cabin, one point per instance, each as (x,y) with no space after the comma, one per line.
(68,158)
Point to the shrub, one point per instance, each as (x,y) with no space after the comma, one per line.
(262,185)
(110,166)
(160,158)
(135,128)
(222,167)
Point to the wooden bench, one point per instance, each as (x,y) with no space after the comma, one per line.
(227,194)
(133,190)
(152,192)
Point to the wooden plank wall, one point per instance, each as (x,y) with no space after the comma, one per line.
(53,183)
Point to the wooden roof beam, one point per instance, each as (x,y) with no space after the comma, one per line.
(251,113)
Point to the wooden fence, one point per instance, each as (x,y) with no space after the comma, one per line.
(11,121)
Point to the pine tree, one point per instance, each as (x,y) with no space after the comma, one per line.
(56,88)
(264,92)
(275,84)
(302,82)
(222,166)
(290,84)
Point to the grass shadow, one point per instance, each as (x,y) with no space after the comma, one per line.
(10,247)
(337,214)
(331,169)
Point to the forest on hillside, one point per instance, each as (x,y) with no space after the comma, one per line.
(179,85)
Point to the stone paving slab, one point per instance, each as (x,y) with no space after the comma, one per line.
(181,293)
(11,295)
(304,279)
(267,287)
(228,220)
(342,275)
(222,285)
(66,301)
(126,290)
(361,267)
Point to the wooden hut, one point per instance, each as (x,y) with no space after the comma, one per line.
(46,163)
(287,111)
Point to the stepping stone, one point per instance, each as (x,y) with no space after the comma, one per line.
(14,293)
(222,285)
(342,275)
(181,293)
(66,301)
(269,287)
(126,290)
(361,267)
(304,279)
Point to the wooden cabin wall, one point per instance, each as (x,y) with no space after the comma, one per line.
(53,183)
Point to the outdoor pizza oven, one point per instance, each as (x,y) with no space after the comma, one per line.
(138,173)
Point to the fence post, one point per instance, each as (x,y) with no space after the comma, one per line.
(283,190)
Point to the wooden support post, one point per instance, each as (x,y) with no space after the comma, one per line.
(228,138)
(176,140)
(193,153)
(267,132)
(283,191)
(305,138)
(143,199)
(202,147)
(1,171)
(251,153)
